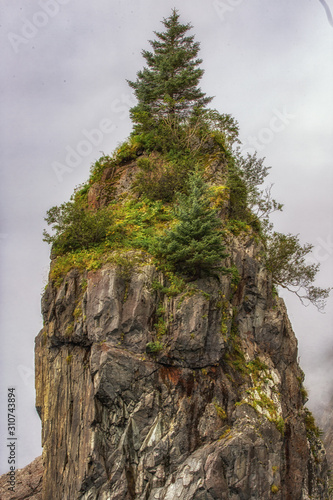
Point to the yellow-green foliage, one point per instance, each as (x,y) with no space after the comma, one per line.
(70,328)
(127,151)
(133,224)
(220,411)
(82,260)
(225,434)
(159,178)
(258,369)
(224,305)
(190,291)
(154,347)
(175,285)
(77,312)
(256,396)
(310,423)
(274,489)
(93,259)
(304,394)
(161,327)
(236,227)
(264,405)
(69,358)
(219,196)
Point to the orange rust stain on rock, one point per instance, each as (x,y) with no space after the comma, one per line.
(172,376)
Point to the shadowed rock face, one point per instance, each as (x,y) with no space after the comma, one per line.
(28,483)
(216,414)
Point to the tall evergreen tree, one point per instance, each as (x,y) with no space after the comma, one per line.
(194,246)
(168,86)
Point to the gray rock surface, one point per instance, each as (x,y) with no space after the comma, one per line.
(324,415)
(216,413)
(28,483)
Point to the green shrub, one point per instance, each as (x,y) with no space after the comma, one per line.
(238,208)
(154,347)
(280,425)
(82,260)
(310,423)
(99,166)
(285,258)
(76,227)
(158,179)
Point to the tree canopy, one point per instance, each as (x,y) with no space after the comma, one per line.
(286,259)
(168,85)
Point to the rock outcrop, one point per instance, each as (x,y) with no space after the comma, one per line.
(28,483)
(325,422)
(149,390)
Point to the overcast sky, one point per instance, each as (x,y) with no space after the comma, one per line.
(64,71)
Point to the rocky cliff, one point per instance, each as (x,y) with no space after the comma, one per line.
(324,417)
(151,390)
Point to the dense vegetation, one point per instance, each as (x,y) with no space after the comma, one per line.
(192,189)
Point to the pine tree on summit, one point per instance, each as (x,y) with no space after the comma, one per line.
(168,86)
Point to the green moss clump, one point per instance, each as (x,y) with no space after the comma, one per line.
(275,489)
(77,312)
(220,411)
(310,424)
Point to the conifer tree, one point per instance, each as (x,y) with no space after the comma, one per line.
(194,246)
(168,87)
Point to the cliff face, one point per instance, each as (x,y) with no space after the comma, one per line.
(325,421)
(210,409)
